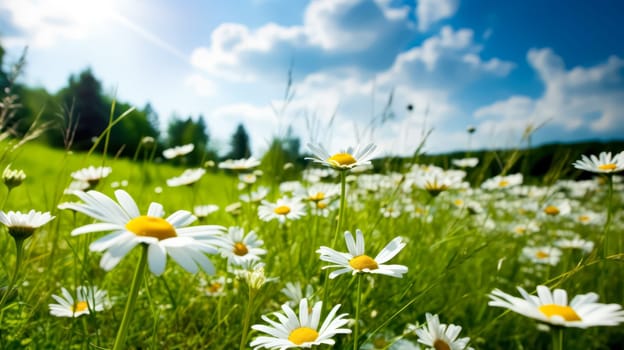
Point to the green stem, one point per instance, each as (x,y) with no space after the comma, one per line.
(341,211)
(6,199)
(243,343)
(120,340)
(356,330)
(85,328)
(343,202)
(609,215)
(557,338)
(19,247)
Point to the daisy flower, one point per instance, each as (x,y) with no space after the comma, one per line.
(588,217)
(344,159)
(247,179)
(356,259)
(575,243)
(88,299)
(319,192)
(239,164)
(502,181)
(603,164)
(465,162)
(238,247)
(22,226)
(436,182)
(255,196)
(188,177)
(556,209)
(91,175)
(441,336)
(542,255)
(202,211)
(292,331)
(214,287)
(170,236)
(178,151)
(285,208)
(553,308)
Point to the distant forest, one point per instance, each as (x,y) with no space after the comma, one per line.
(81,111)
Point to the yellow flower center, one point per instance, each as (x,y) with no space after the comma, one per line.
(607,167)
(318,196)
(584,218)
(541,254)
(563,311)
(503,183)
(150,226)
(458,202)
(520,230)
(214,287)
(440,344)
(321,205)
(551,210)
(362,262)
(303,335)
(240,249)
(80,306)
(340,159)
(282,210)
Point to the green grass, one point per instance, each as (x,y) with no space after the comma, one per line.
(454,258)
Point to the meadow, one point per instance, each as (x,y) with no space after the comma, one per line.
(453,239)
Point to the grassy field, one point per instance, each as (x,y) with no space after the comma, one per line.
(460,245)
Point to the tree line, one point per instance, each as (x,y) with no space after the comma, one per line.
(81,111)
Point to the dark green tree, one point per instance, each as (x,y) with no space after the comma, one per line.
(84,93)
(185,131)
(127,134)
(152,117)
(239,144)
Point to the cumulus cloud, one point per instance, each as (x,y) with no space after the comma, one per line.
(448,59)
(334,33)
(425,76)
(587,99)
(431,11)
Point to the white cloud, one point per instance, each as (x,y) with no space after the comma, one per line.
(334,33)
(424,76)
(41,23)
(431,11)
(448,59)
(582,99)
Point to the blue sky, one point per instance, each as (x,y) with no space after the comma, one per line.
(501,66)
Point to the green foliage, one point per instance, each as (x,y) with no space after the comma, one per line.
(188,131)
(239,144)
(84,94)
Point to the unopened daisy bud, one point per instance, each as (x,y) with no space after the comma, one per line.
(12,178)
(253,274)
(148,141)
(256,279)
(209,164)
